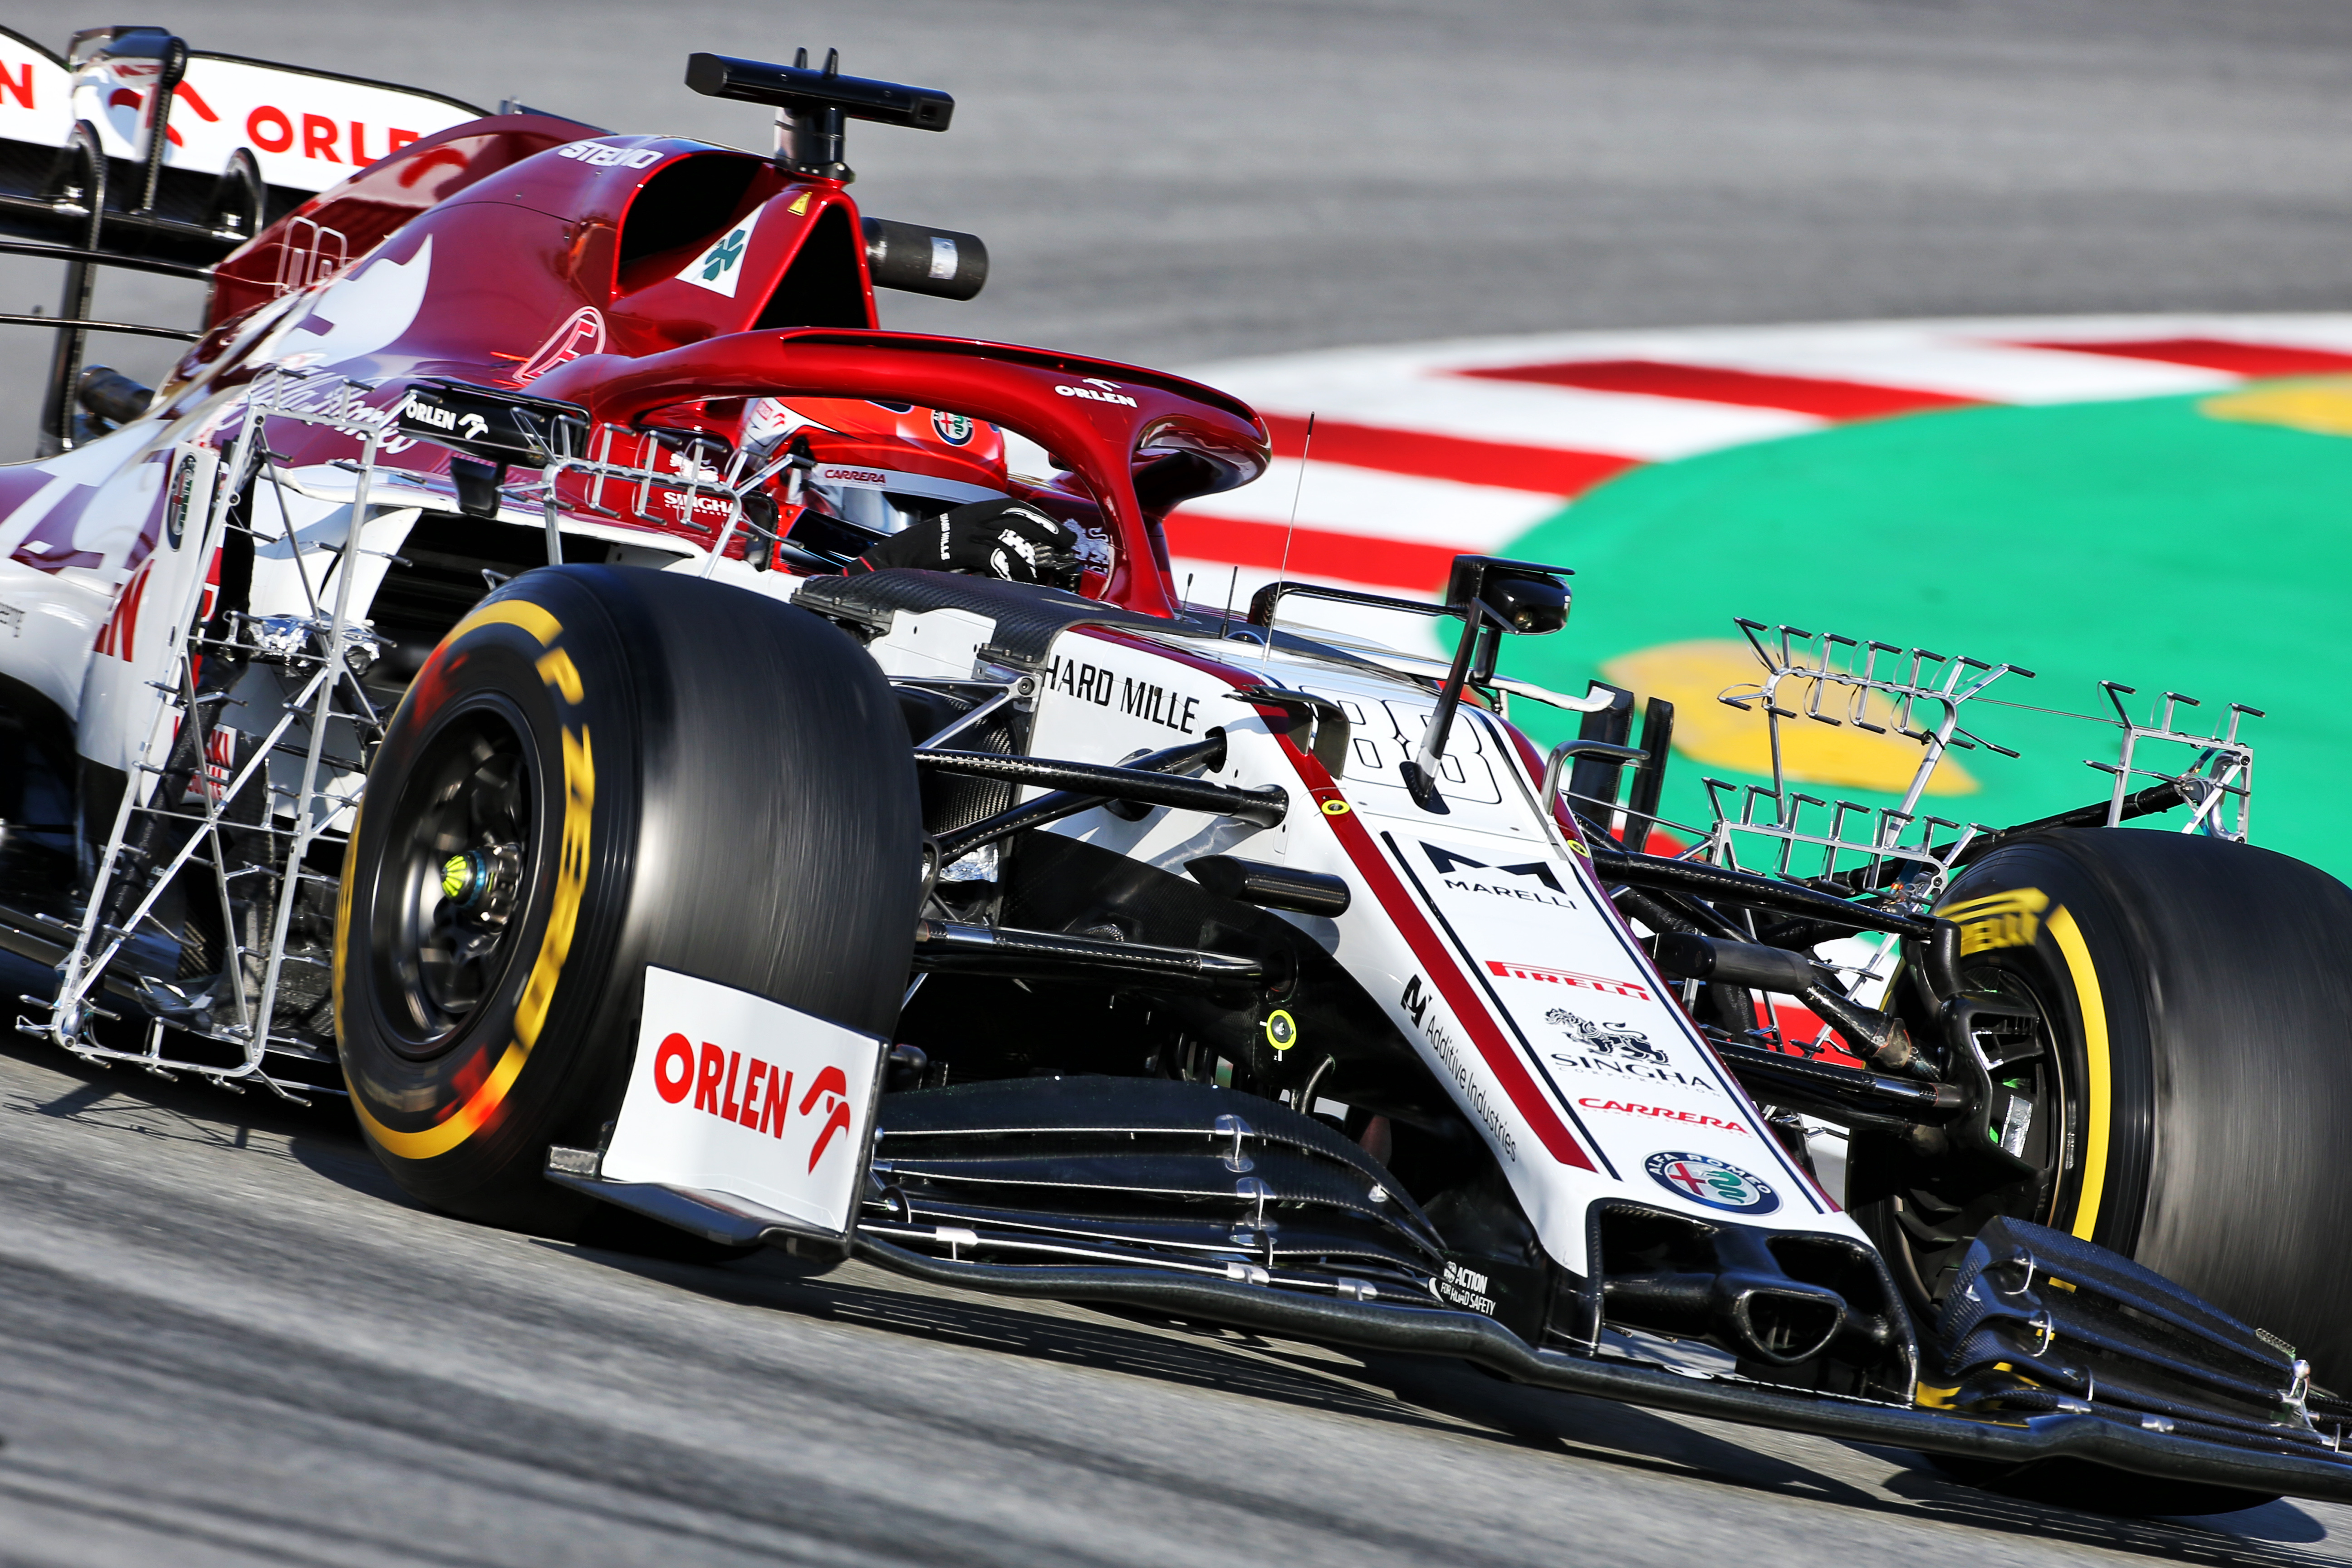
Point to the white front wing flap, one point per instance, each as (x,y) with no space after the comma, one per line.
(732,1093)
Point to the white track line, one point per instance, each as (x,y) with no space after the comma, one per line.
(2331,331)
(1621,424)
(1986,371)
(1377,505)
(1419,387)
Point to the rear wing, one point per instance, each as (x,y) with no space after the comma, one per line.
(201,150)
(132,149)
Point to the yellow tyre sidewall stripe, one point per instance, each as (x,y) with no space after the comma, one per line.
(521,613)
(2097,1085)
(556,669)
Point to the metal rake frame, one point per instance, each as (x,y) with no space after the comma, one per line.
(336,403)
(1924,693)
(1934,680)
(325,674)
(2218,784)
(690,477)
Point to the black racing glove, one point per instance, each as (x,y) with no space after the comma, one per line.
(1007,539)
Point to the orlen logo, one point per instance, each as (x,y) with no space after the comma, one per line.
(598,155)
(766,1105)
(1097,390)
(470,427)
(272,130)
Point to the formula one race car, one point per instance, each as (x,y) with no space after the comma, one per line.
(799,811)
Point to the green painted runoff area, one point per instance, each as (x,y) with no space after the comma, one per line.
(2141,541)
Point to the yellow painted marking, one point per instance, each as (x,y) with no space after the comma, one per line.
(510,613)
(1692,675)
(1335,809)
(800,205)
(556,669)
(2097,1102)
(2322,406)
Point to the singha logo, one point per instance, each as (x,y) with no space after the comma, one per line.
(1608,1039)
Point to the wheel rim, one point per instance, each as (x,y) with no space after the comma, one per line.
(1936,1206)
(460,856)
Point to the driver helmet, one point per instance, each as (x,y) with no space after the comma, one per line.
(882,466)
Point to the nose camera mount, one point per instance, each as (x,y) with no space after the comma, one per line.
(812,106)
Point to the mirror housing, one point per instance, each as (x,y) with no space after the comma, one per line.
(1492,596)
(1518,596)
(1532,606)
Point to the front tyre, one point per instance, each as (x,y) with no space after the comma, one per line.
(2187,1100)
(602,769)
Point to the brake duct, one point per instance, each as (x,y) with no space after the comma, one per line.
(1773,1297)
(1748,1303)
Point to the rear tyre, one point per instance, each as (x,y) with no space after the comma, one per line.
(2192,1097)
(602,769)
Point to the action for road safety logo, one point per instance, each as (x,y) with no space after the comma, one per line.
(733,1093)
(1713,1183)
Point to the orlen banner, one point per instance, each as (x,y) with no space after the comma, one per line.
(35,94)
(733,1093)
(306,131)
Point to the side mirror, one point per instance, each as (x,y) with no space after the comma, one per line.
(1531,606)
(1492,596)
(1511,595)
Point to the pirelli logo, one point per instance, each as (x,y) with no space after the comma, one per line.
(1999,920)
(1568,978)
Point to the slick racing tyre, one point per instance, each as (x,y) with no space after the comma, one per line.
(602,769)
(2187,1100)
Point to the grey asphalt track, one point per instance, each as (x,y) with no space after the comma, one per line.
(224,1338)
